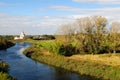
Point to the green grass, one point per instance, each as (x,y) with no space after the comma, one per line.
(74,44)
(86,67)
(46,45)
(5,76)
(60,48)
(4,67)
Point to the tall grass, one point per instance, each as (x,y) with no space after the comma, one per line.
(4,67)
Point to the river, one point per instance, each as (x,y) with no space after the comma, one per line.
(24,68)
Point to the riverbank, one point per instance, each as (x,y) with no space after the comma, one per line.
(78,63)
(4,75)
(4,67)
(6,44)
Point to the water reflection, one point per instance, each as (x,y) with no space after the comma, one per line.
(24,68)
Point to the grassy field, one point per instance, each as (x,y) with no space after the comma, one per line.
(104,66)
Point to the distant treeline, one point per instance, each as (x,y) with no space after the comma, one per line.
(42,37)
(8,37)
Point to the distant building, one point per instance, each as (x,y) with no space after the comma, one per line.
(22,36)
(16,38)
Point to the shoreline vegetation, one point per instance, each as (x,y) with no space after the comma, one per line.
(101,66)
(4,67)
(5,43)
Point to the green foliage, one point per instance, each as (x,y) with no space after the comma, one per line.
(92,35)
(43,37)
(36,37)
(4,43)
(7,37)
(45,45)
(5,76)
(48,37)
(58,47)
(4,67)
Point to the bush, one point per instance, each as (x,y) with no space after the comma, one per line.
(48,37)
(59,47)
(4,43)
(5,76)
(4,67)
(67,50)
(43,37)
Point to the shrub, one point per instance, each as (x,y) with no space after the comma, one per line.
(67,50)
(48,37)
(4,43)
(4,67)
(59,47)
(43,37)
(5,76)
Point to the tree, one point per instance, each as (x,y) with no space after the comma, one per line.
(68,30)
(94,29)
(114,31)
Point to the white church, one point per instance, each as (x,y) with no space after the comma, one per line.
(22,36)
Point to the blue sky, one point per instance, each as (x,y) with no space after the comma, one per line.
(45,16)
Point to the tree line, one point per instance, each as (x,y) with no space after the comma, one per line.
(92,35)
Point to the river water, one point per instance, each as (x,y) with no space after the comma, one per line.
(24,68)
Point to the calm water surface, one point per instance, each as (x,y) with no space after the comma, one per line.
(24,68)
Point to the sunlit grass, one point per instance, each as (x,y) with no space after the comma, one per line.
(83,64)
(5,76)
(106,59)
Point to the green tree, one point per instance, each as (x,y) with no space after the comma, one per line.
(94,30)
(114,31)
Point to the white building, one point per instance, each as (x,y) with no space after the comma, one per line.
(22,36)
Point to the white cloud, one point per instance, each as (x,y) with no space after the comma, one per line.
(64,8)
(30,24)
(99,1)
(48,24)
(112,12)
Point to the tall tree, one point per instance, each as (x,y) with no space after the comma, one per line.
(114,31)
(94,29)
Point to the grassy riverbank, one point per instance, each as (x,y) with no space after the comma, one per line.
(93,65)
(4,67)
(4,75)
(5,43)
